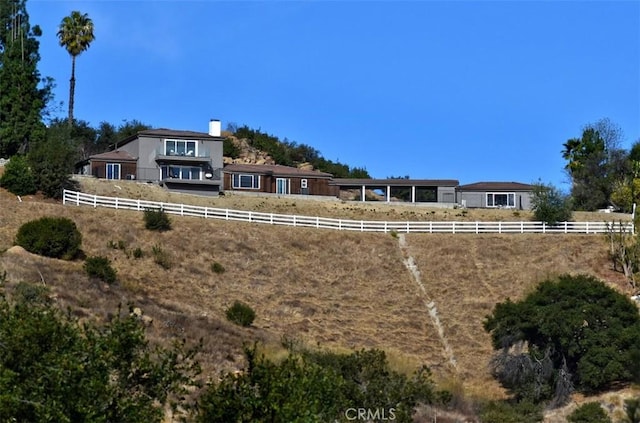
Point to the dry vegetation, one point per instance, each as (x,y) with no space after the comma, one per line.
(331,289)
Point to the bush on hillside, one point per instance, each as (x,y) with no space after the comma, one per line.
(56,237)
(241,314)
(317,387)
(156,220)
(56,369)
(100,267)
(590,412)
(18,177)
(549,205)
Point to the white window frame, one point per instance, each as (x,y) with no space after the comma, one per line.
(287,185)
(236,180)
(169,152)
(181,171)
(491,200)
(113,166)
(303,184)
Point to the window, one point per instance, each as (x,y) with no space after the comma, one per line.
(303,183)
(180,172)
(180,148)
(501,199)
(113,170)
(245,181)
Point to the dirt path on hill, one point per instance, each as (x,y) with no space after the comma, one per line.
(429,303)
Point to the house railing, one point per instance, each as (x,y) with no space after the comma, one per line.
(451,227)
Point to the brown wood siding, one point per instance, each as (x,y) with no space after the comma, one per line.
(99,168)
(315,186)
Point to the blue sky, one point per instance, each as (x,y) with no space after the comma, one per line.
(467,90)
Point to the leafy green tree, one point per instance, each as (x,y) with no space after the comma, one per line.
(24,93)
(18,177)
(52,162)
(595,162)
(590,412)
(129,128)
(107,136)
(75,34)
(314,387)
(572,331)
(52,369)
(549,205)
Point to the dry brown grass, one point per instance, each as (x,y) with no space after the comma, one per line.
(330,289)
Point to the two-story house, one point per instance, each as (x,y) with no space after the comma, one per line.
(183,161)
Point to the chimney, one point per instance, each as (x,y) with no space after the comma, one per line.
(214,127)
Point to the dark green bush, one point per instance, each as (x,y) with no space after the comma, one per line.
(18,177)
(100,267)
(138,253)
(217,268)
(56,237)
(511,412)
(241,314)
(157,220)
(590,412)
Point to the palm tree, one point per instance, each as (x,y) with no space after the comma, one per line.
(75,35)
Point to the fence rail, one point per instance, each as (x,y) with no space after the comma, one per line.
(451,227)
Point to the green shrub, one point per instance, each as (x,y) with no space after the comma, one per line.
(241,314)
(137,253)
(549,205)
(29,293)
(18,177)
(217,268)
(156,220)
(590,412)
(56,237)
(511,412)
(161,257)
(100,267)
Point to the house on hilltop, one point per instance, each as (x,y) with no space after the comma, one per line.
(512,195)
(184,161)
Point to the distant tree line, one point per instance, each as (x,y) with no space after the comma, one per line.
(291,153)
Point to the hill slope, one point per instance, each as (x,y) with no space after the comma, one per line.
(332,289)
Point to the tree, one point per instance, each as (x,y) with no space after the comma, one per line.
(23,93)
(18,177)
(75,34)
(53,369)
(315,387)
(572,331)
(595,162)
(549,205)
(52,162)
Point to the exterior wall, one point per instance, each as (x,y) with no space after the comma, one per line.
(446,194)
(146,149)
(478,199)
(315,186)
(99,168)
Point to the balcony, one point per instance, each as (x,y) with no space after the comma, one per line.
(203,155)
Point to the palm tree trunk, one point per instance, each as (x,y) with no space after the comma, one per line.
(72,88)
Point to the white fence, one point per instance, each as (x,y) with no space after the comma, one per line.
(453,227)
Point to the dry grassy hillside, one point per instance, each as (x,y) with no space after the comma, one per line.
(331,289)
